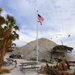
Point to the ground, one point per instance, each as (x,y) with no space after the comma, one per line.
(16,70)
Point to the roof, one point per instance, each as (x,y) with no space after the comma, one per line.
(62,48)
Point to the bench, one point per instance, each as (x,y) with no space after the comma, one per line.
(24,68)
(11,61)
(28,65)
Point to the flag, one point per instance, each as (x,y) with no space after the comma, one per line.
(40,19)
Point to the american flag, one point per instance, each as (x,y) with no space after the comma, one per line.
(40,19)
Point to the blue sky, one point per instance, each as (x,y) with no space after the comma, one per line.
(59,19)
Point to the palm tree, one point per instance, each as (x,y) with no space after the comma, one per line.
(2,20)
(8,34)
(0,10)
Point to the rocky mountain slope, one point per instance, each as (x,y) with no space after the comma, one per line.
(30,50)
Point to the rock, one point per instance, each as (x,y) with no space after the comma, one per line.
(30,50)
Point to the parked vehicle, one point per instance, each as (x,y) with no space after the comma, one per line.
(15,56)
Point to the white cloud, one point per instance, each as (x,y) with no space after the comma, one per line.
(59,16)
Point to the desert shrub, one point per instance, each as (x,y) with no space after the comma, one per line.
(33,59)
(45,61)
(3,70)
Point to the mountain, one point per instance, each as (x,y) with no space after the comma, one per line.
(30,49)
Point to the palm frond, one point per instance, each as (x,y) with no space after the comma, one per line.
(16,27)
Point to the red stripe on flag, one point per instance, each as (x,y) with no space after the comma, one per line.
(40,19)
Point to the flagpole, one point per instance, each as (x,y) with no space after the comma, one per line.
(37,35)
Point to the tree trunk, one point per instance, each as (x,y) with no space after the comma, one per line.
(4,48)
(3,51)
